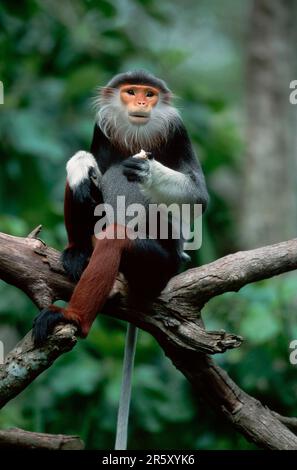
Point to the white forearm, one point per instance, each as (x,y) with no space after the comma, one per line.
(167,186)
(78,168)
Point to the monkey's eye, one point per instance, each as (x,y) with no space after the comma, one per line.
(150,94)
(130,92)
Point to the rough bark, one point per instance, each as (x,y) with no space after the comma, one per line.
(24,363)
(174,319)
(15,438)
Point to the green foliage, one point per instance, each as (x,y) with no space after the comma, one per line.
(53,56)
(262,314)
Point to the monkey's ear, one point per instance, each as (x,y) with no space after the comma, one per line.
(107,92)
(167,97)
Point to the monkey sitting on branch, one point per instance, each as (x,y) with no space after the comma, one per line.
(140,151)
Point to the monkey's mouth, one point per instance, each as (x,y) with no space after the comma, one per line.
(139,116)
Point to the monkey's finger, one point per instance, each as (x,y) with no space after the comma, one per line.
(136,164)
(133,176)
(83,193)
(130,173)
(132,179)
(94,176)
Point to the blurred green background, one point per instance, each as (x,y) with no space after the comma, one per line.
(53,56)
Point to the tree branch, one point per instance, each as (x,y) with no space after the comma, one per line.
(20,439)
(291,423)
(173,318)
(256,422)
(24,363)
(234,271)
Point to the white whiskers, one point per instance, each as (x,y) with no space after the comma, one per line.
(112,118)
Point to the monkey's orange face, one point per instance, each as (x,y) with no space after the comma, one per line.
(139,101)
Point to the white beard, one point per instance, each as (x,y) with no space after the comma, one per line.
(112,118)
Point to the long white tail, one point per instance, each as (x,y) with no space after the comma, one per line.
(125,397)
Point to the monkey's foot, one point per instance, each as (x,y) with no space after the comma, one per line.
(46,321)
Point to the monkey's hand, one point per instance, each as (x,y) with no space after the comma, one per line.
(75,260)
(138,169)
(84,176)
